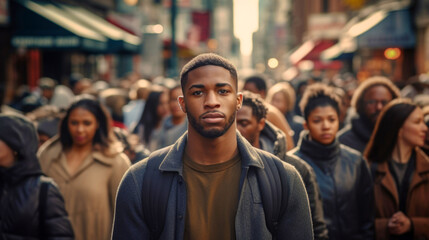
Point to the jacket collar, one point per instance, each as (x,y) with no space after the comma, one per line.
(55,150)
(362,127)
(277,137)
(422,167)
(172,161)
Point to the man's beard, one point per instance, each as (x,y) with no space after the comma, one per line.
(211,133)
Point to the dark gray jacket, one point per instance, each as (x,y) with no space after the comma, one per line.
(21,216)
(250,220)
(346,186)
(272,134)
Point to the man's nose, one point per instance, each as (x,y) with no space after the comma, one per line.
(379,105)
(211,100)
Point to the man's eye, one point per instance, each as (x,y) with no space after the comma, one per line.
(223,91)
(197,93)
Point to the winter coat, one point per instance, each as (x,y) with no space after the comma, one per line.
(346,186)
(90,192)
(356,134)
(20,188)
(249,221)
(272,134)
(417,204)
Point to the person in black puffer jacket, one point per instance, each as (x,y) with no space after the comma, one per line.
(22,215)
(342,174)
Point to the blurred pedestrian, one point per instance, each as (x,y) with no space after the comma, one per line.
(31,206)
(133,110)
(175,125)
(256,84)
(86,162)
(400,171)
(342,174)
(156,109)
(282,96)
(368,100)
(252,124)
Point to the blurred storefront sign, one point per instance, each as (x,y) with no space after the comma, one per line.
(4,12)
(326,26)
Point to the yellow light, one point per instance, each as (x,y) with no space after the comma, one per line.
(392,53)
(273,62)
(131,2)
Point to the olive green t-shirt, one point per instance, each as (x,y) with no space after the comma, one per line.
(212,198)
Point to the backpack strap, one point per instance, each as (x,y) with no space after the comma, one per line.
(271,183)
(43,196)
(155,194)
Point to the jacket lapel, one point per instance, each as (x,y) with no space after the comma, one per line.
(422,167)
(387,181)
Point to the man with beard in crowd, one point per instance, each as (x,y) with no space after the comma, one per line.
(368,100)
(215,174)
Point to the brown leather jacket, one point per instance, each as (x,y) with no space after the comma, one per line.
(387,199)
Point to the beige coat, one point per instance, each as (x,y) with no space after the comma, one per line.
(90,193)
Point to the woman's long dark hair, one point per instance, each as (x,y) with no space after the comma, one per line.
(103,135)
(150,117)
(385,134)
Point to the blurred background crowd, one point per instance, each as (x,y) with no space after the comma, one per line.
(114,64)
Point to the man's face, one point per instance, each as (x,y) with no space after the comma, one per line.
(248,125)
(374,100)
(210,101)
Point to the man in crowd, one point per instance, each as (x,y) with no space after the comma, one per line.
(252,124)
(210,178)
(368,100)
(174,125)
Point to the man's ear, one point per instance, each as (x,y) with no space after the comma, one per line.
(239,100)
(182,105)
(261,124)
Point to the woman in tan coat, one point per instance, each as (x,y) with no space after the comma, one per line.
(87,166)
(400,171)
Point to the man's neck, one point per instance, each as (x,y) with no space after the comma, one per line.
(208,151)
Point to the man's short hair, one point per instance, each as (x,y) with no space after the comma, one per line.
(357,101)
(319,95)
(207,59)
(256,103)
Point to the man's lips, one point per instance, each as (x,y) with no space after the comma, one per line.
(212,117)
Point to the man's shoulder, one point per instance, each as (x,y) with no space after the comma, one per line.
(273,161)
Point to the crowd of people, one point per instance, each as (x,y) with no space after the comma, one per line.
(192,158)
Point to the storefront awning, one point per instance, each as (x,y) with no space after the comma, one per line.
(384,29)
(386,25)
(309,50)
(40,24)
(119,39)
(45,24)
